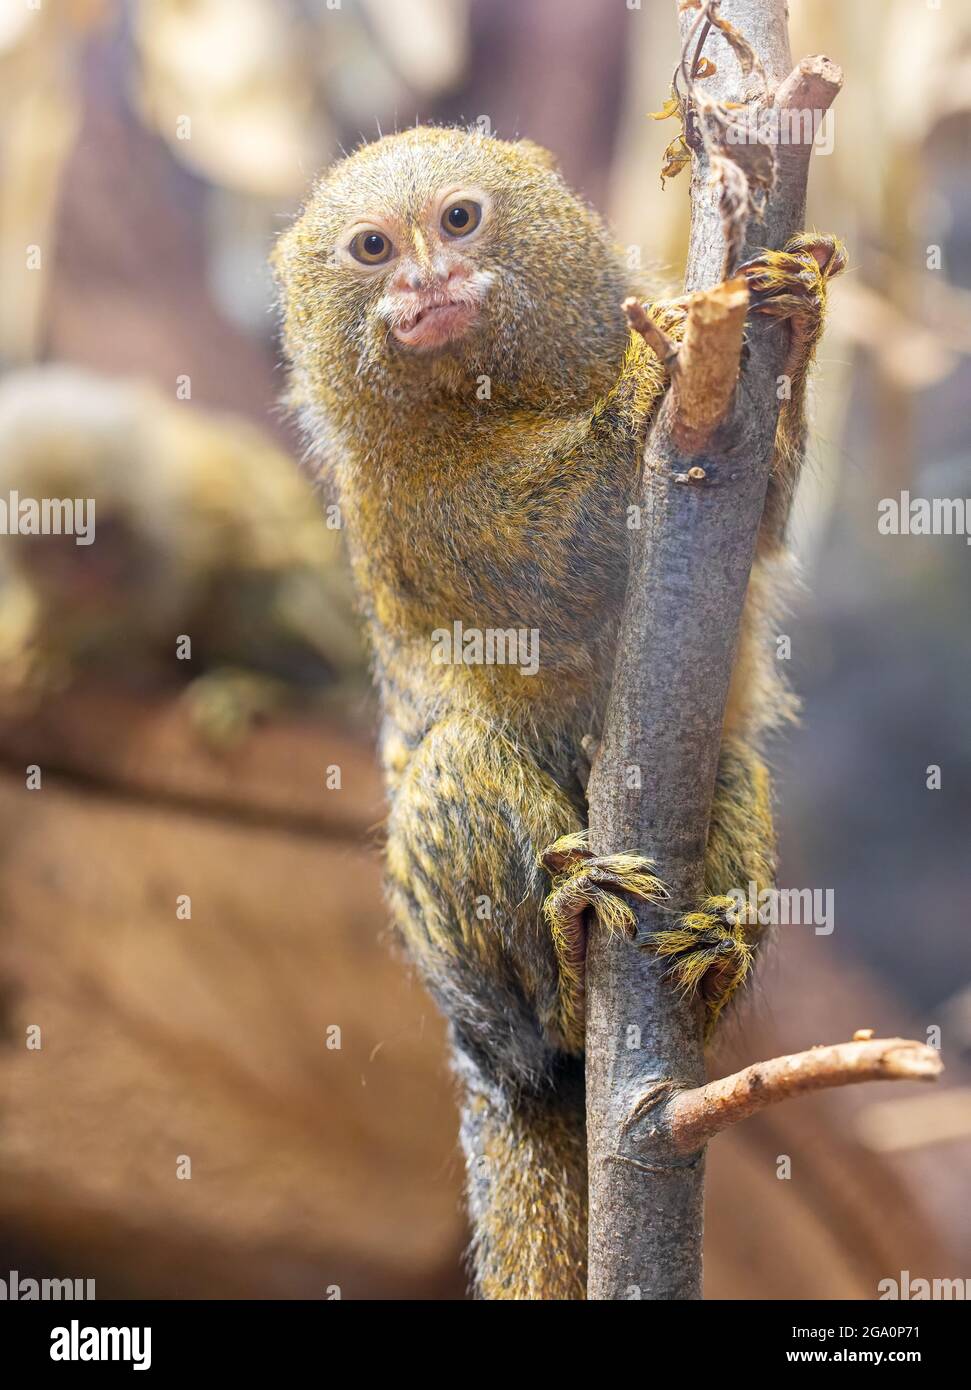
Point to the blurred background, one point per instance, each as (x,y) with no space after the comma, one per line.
(216,1079)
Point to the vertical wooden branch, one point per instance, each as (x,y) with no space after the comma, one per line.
(690,572)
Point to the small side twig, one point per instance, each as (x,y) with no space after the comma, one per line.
(661,344)
(695,1116)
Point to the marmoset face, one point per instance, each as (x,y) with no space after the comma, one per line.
(438,243)
(433,288)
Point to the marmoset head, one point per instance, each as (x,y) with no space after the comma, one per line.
(74,437)
(434,256)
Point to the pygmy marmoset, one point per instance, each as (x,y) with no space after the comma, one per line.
(460,359)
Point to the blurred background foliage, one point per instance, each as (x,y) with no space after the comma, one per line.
(150,151)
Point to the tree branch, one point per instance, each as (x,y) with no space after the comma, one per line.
(689,575)
(665,347)
(694,1117)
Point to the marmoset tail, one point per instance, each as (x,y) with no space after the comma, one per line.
(461,360)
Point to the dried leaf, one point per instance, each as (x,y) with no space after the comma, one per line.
(676,157)
(670,108)
(705,68)
(686,5)
(747,57)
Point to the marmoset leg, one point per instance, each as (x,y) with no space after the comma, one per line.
(469,813)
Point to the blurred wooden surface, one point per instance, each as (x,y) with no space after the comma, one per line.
(207,1038)
(145,746)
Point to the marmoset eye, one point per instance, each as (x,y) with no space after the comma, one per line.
(462,217)
(371,248)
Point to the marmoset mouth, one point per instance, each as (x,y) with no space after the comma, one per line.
(437,324)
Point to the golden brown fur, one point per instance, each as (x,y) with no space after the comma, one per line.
(488,483)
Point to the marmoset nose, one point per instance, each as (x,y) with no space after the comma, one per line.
(412,276)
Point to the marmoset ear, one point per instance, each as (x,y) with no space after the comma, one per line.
(539,155)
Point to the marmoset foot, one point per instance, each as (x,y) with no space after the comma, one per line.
(791,285)
(707,949)
(708,952)
(584,882)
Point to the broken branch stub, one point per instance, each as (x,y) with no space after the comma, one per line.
(703,388)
